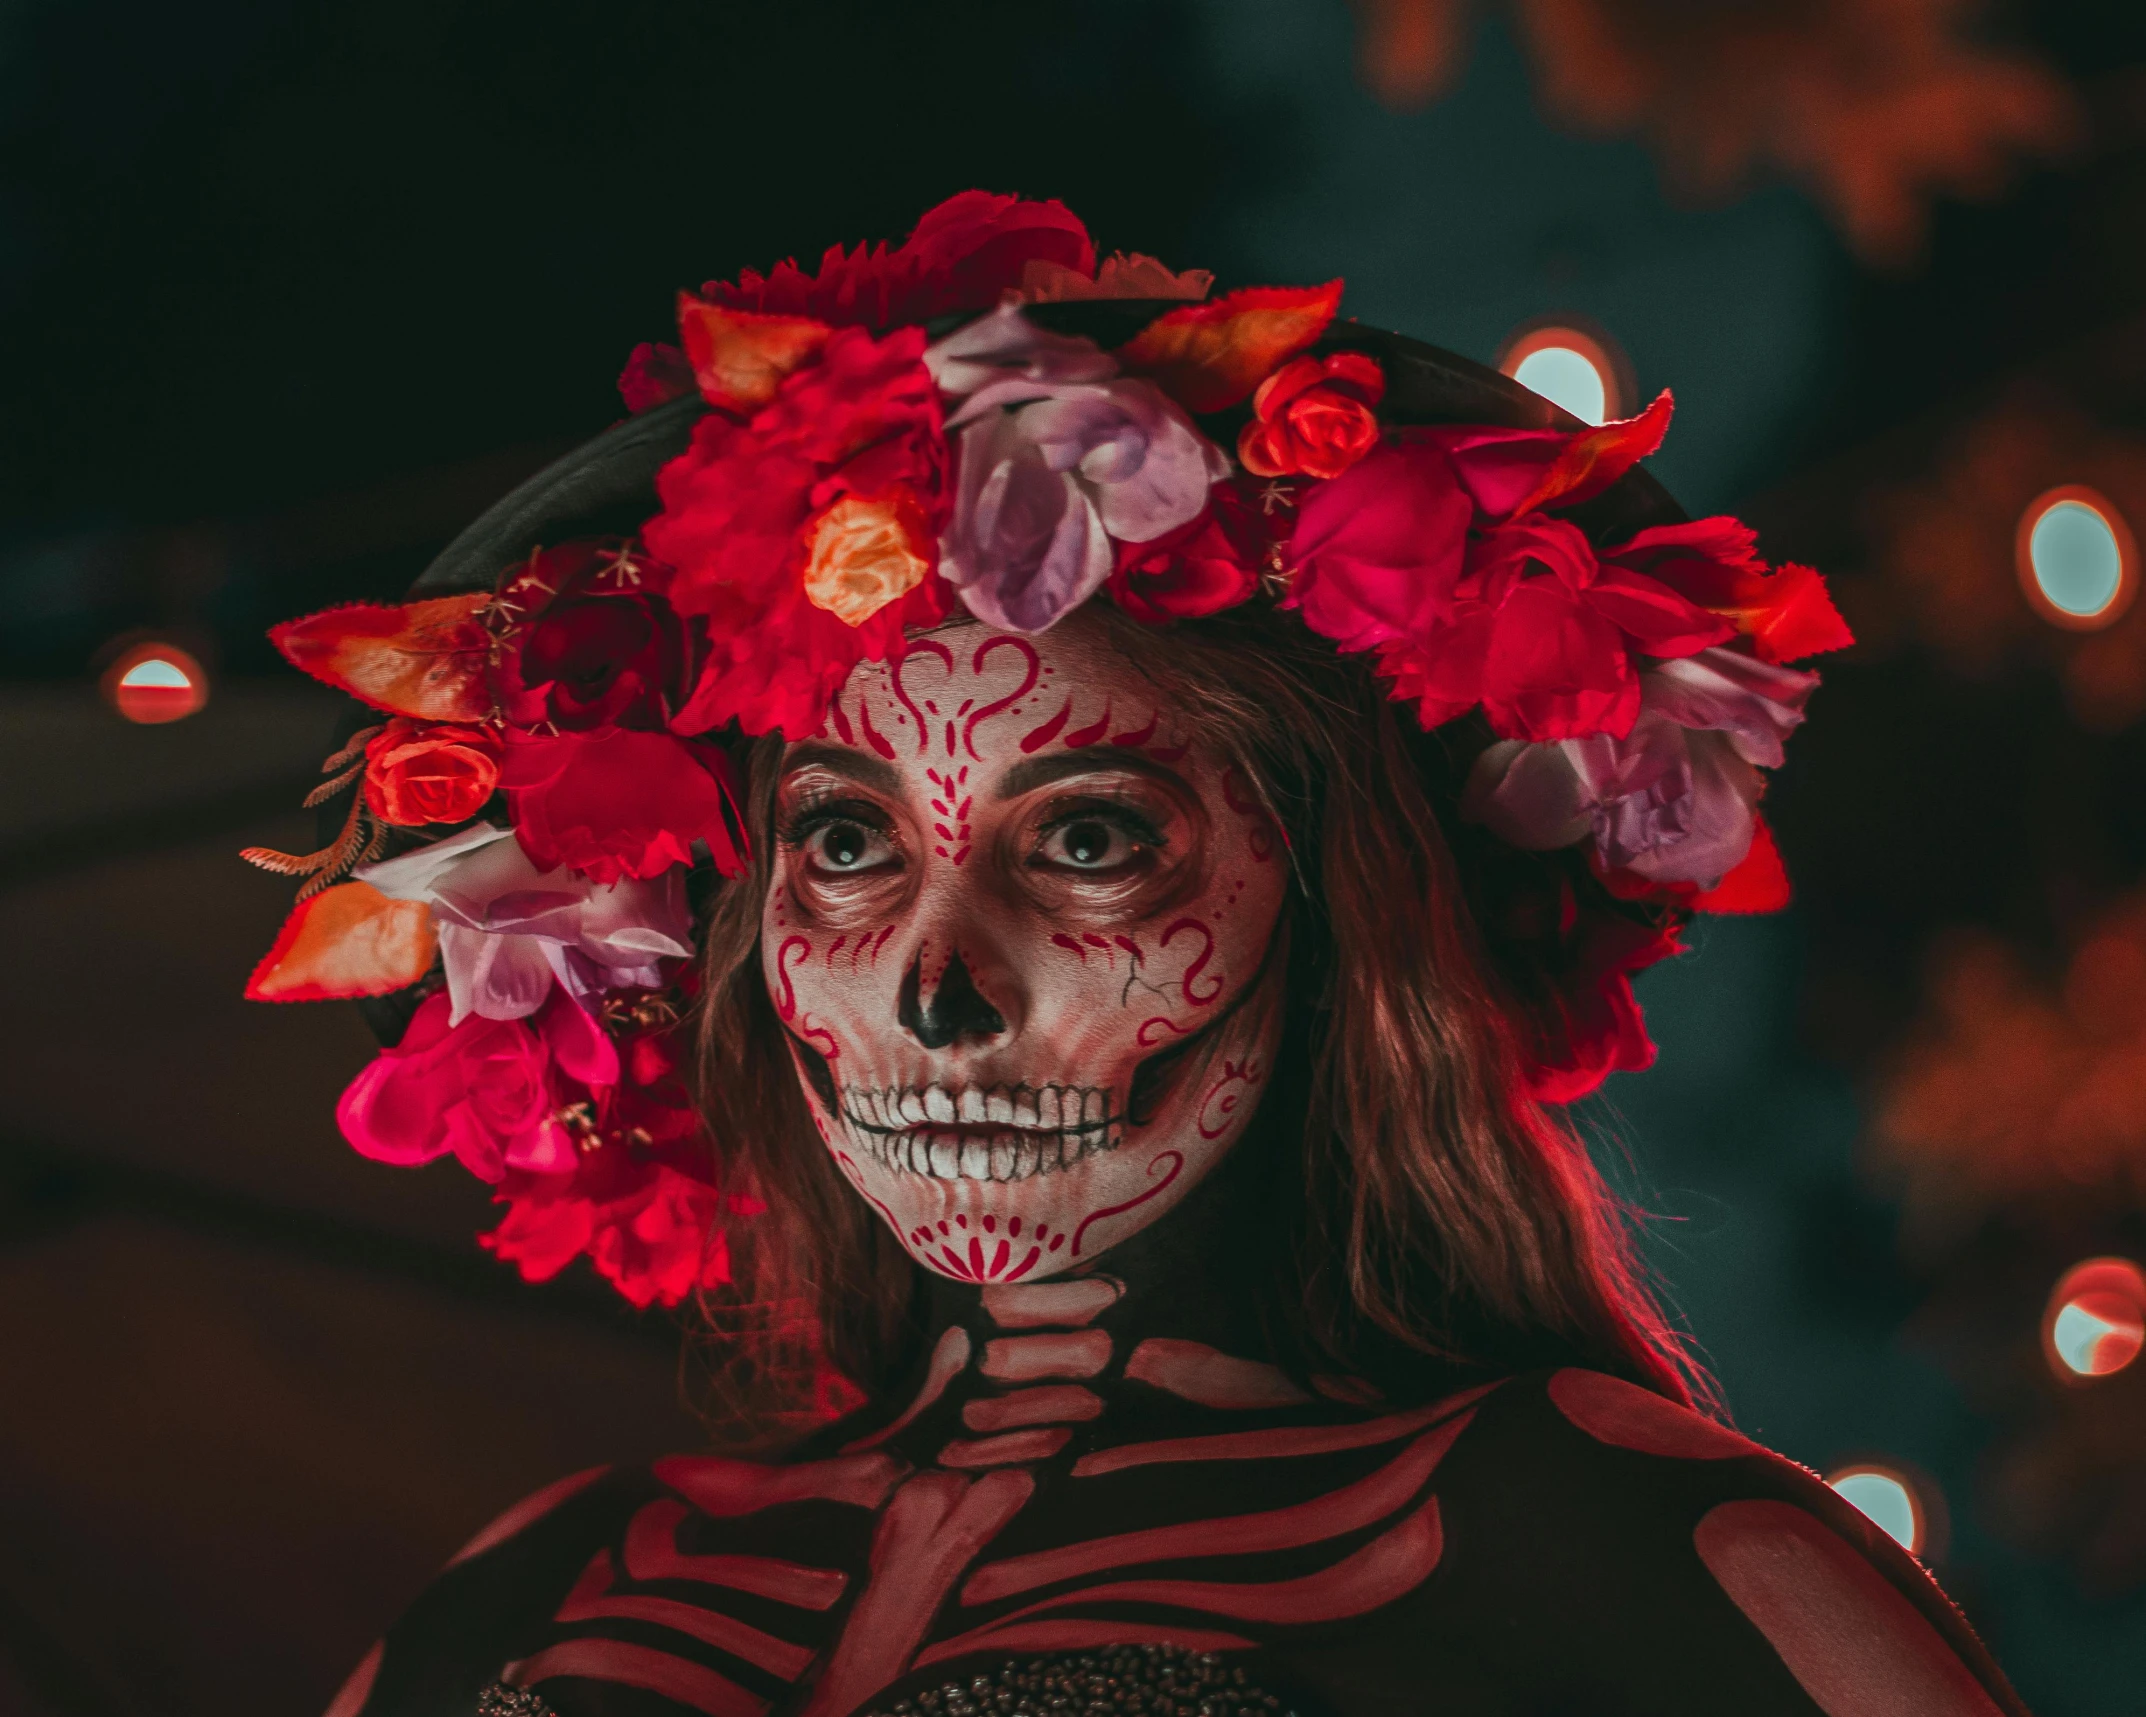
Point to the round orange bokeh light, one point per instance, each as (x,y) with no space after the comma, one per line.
(1595,350)
(2055,567)
(155,682)
(2095,1323)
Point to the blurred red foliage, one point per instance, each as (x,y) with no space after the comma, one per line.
(1874,106)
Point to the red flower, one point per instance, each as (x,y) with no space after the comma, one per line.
(808,534)
(417,774)
(491,1091)
(648,1227)
(594,641)
(655,374)
(1786,613)
(1200,568)
(1597,1028)
(613,803)
(1377,551)
(962,256)
(1542,635)
(1313,417)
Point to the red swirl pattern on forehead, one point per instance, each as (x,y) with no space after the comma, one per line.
(1087,736)
(1044,732)
(918,647)
(1034,667)
(878,741)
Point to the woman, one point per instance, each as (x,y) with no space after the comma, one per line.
(1148,804)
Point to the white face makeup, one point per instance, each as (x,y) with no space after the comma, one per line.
(1020,930)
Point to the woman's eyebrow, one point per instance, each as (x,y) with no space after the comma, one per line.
(1034,772)
(870,772)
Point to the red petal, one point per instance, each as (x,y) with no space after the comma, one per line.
(1799,619)
(1664,623)
(425,659)
(740,357)
(1596,458)
(1758,884)
(1210,356)
(349,940)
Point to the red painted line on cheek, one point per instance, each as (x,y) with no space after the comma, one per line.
(1199,964)
(856,1178)
(1146,1042)
(787,1004)
(1176,1160)
(1037,738)
(1059,939)
(822,1039)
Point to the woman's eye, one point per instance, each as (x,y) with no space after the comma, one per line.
(846,848)
(1089,843)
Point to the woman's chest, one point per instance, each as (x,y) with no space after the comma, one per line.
(815,1588)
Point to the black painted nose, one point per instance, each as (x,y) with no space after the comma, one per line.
(957,1010)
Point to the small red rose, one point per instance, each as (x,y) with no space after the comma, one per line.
(417,773)
(1314,417)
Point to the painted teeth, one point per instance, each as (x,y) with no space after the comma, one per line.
(1004,1157)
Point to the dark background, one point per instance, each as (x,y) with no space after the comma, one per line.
(290,291)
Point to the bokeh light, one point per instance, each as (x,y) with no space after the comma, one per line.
(1886,1498)
(2096,1321)
(156,682)
(2076,558)
(1569,368)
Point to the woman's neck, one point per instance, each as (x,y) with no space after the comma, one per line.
(1175,1323)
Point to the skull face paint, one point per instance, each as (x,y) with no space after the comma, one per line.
(1021,933)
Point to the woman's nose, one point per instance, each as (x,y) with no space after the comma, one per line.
(955,1009)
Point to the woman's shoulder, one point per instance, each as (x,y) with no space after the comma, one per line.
(1582,1495)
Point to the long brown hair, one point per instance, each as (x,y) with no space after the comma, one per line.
(1442,1217)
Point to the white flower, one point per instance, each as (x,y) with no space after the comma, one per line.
(508,930)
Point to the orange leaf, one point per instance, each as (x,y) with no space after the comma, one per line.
(425,659)
(1595,458)
(1208,356)
(349,940)
(740,357)
(1759,883)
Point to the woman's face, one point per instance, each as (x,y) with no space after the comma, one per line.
(1020,934)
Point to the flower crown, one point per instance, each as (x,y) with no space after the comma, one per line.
(901,434)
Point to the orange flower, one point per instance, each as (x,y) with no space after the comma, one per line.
(864,555)
(1313,417)
(424,774)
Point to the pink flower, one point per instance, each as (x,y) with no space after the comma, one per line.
(1378,550)
(488,1090)
(1058,457)
(509,930)
(1675,799)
